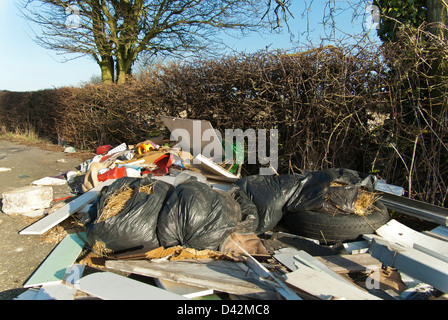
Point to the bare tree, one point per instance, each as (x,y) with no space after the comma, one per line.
(116,32)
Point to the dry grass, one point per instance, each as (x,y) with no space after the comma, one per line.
(115,203)
(100,249)
(180,253)
(55,235)
(365,203)
(149,188)
(118,200)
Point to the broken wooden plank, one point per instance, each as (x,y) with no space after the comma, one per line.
(263,272)
(309,261)
(111,286)
(219,275)
(54,268)
(324,286)
(347,263)
(412,262)
(48,222)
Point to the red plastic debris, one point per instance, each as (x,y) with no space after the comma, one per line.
(103,149)
(115,173)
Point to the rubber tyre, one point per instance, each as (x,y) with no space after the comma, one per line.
(331,229)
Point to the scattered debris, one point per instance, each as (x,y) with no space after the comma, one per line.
(49,181)
(196,229)
(69,150)
(63,213)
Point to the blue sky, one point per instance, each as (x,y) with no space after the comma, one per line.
(25,66)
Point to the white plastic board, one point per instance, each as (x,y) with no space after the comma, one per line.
(185,290)
(111,286)
(394,231)
(48,222)
(324,286)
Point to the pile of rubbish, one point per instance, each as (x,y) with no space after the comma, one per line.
(148,209)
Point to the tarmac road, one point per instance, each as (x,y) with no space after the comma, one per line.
(20,255)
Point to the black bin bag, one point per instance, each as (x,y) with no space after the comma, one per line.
(269,194)
(330,190)
(327,190)
(135,226)
(197,216)
(326,207)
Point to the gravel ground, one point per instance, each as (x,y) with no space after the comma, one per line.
(20,255)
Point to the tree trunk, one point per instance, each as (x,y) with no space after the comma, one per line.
(124,69)
(121,74)
(107,70)
(437,17)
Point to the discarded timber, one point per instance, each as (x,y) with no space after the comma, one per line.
(324,286)
(111,286)
(416,208)
(54,268)
(219,275)
(415,263)
(346,263)
(263,272)
(48,222)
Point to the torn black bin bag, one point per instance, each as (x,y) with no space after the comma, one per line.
(135,226)
(249,212)
(333,190)
(197,216)
(325,190)
(326,208)
(269,194)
